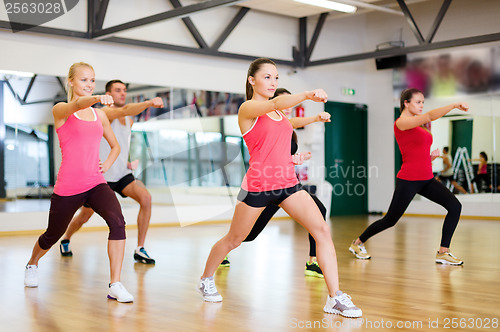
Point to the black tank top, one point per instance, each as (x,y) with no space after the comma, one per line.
(295,147)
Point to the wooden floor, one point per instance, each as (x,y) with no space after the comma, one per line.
(265,288)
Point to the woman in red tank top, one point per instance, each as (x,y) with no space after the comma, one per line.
(80,180)
(271,180)
(415,176)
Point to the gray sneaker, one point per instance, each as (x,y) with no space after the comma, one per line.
(359,251)
(208,290)
(341,304)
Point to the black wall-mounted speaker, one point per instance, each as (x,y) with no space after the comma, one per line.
(397,61)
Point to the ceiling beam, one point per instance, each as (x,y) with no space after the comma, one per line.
(230,27)
(30,85)
(191,27)
(191,50)
(23,102)
(91,8)
(101,14)
(407,50)
(174,13)
(299,54)
(437,21)
(61,83)
(314,39)
(413,25)
(45,30)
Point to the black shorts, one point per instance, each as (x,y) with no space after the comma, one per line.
(119,185)
(446,178)
(264,198)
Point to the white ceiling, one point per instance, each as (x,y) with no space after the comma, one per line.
(295,9)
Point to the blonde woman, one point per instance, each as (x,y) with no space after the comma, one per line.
(80,179)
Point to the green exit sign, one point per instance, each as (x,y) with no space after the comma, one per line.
(348,92)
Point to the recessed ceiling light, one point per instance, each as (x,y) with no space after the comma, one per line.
(330,5)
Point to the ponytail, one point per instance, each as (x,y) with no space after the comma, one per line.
(254,68)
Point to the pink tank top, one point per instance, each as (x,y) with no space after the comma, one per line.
(483,169)
(269,144)
(415,146)
(79,141)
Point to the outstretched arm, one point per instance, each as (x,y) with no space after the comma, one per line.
(131,109)
(61,111)
(299,158)
(252,109)
(410,122)
(113,143)
(299,122)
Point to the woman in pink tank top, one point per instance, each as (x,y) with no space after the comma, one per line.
(271,179)
(482,173)
(415,176)
(80,179)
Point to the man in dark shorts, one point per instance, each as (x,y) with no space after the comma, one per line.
(446,174)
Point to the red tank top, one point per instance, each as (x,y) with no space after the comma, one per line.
(79,141)
(415,145)
(483,169)
(269,145)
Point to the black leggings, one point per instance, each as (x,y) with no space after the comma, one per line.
(480,178)
(404,193)
(62,208)
(270,211)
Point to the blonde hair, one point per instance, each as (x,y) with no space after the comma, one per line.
(71,75)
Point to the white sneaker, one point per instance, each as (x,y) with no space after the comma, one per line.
(31,276)
(208,290)
(118,292)
(341,304)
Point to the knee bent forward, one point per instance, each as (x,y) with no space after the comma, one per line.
(146,201)
(233,243)
(322,232)
(117,230)
(454,206)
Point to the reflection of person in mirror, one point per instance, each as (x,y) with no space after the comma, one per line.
(271,179)
(444,82)
(415,176)
(312,268)
(475,76)
(119,176)
(482,173)
(446,175)
(80,179)
(417,75)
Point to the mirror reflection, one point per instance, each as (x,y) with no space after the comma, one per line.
(179,145)
(469,145)
(193,141)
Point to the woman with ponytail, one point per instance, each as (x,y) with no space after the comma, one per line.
(271,179)
(312,267)
(80,179)
(415,176)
